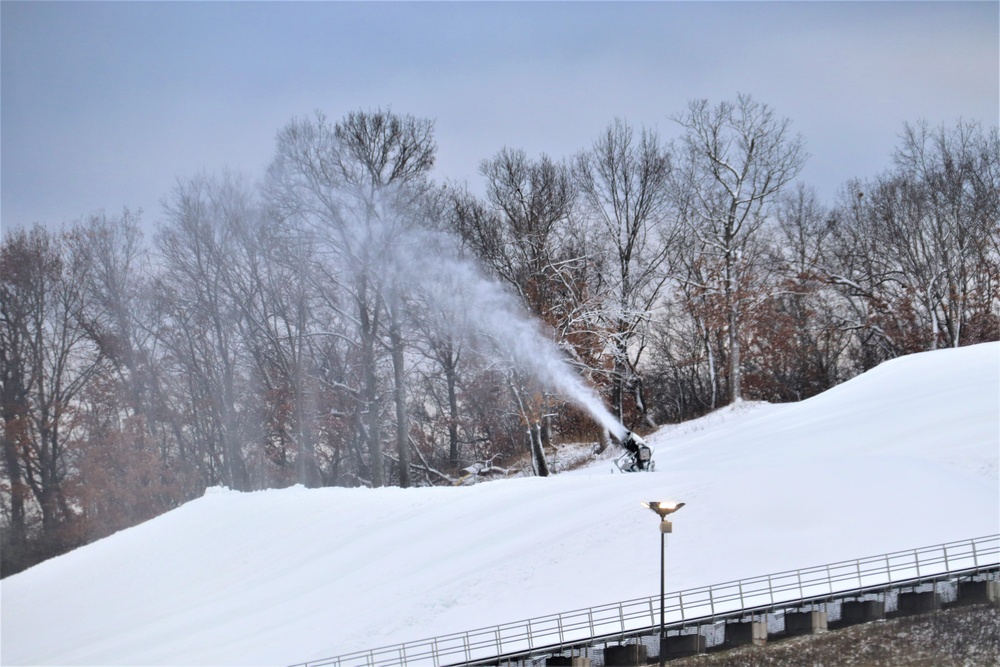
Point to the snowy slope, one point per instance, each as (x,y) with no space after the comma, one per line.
(903,456)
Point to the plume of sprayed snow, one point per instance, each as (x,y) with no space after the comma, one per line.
(473,303)
(372,229)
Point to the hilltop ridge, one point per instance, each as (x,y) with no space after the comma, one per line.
(903,456)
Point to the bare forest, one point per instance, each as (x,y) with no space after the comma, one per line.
(348,321)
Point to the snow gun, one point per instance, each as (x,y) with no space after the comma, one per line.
(637,457)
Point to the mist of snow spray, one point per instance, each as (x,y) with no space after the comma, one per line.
(470,303)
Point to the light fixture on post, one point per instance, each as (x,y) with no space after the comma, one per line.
(662,509)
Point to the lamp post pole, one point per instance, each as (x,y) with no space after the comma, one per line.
(662,509)
(663,578)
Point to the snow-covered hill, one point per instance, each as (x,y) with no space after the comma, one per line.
(903,456)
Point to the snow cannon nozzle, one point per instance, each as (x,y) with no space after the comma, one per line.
(632,440)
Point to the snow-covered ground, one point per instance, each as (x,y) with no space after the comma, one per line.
(903,456)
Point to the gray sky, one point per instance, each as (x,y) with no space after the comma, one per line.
(105,105)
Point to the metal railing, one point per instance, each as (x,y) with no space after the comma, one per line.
(629,618)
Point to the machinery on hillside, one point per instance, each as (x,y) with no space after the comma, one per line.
(637,457)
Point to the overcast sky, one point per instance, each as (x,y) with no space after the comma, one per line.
(106,105)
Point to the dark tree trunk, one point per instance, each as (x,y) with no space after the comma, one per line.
(399,394)
(452,380)
(537,452)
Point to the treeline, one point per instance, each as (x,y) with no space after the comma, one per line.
(339,323)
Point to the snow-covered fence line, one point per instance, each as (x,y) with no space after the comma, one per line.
(633,617)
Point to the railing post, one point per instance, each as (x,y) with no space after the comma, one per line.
(975,557)
(711,602)
(530,636)
(770,589)
(829,580)
(743,604)
(857,565)
(561,636)
(680,603)
(468,649)
(436,653)
(947,568)
(916,558)
(888,568)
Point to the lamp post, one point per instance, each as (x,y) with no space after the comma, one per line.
(662,509)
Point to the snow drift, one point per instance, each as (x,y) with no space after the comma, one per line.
(903,456)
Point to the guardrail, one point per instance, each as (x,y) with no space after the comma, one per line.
(629,618)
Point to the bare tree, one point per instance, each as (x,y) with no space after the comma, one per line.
(523,232)
(49,358)
(119,286)
(914,254)
(812,349)
(950,175)
(623,185)
(353,184)
(735,158)
(445,349)
(517,230)
(268,280)
(201,334)
(16,334)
